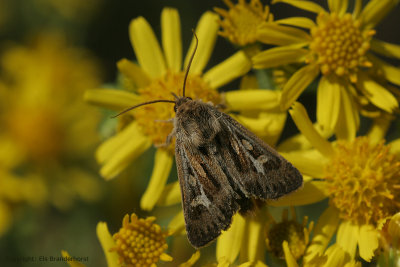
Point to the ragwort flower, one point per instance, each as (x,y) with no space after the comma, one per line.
(139,242)
(359,176)
(157,74)
(241,22)
(295,235)
(338,46)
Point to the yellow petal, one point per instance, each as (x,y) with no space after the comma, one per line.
(391,73)
(309,162)
(253,243)
(248,81)
(279,56)
(255,99)
(300,142)
(266,125)
(328,102)
(228,70)
(111,98)
(290,260)
(275,34)
(133,72)
(386,49)
(206,31)
(323,232)
(368,242)
(377,94)
(165,257)
(395,147)
(348,120)
(311,192)
(251,264)
(193,259)
(223,262)
(379,128)
(119,151)
(263,123)
(302,22)
(347,237)
(146,47)
(107,242)
(336,256)
(72,263)
(357,8)
(338,6)
(305,5)
(177,224)
(304,124)
(375,11)
(171,38)
(394,226)
(297,84)
(230,241)
(162,166)
(171,195)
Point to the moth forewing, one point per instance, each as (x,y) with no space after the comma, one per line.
(221,167)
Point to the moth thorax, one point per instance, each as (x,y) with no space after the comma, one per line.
(199,122)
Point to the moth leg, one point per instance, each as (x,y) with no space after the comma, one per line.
(167,141)
(166,121)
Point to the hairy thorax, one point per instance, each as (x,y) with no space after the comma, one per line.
(196,122)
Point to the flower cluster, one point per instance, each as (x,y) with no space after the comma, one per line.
(43,117)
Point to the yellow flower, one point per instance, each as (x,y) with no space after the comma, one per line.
(339,46)
(296,235)
(159,73)
(241,22)
(360,178)
(140,242)
(48,131)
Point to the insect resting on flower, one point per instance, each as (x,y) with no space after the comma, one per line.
(221,165)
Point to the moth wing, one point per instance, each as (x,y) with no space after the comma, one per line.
(208,201)
(220,178)
(256,168)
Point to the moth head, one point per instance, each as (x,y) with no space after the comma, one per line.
(181,101)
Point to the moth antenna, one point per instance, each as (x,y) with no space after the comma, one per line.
(189,64)
(142,104)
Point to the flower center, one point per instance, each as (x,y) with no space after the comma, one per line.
(241,21)
(140,242)
(363,181)
(153,118)
(37,131)
(339,45)
(293,233)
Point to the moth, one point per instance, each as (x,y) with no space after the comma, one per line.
(222,167)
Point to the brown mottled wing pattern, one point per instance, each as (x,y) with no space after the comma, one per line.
(221,177)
